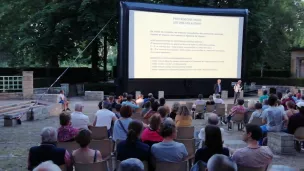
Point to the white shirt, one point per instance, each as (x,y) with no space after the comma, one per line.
(219,101)
(140,102)
(201,135)
(237,88)
(61,97)
(80,120)
(104,118)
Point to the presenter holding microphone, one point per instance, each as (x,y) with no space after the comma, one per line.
(218,87)
(237,90)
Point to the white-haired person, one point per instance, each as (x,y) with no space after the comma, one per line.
(131,164)
(47,166)
(78,119)
(249,110)
(220,162)
(47,150)
(218,99)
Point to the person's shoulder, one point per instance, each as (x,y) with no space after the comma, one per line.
(178,144)
(144,146)
(267,150)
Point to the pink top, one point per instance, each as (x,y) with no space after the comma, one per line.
(66,133)
(150,135)
(237,110)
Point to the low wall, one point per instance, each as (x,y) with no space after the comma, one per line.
(94,95)
(11,96)
(54,98)
(53,90)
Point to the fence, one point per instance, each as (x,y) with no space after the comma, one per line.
(10,83)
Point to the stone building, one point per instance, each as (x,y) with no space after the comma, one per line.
(297,62)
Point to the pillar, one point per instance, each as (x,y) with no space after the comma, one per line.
(27,84)
(161,94)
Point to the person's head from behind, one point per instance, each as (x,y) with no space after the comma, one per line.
(265,92)
(155,122)
(61,92)
(129,97)
(125,111)
(300,106)
(217,96)
(200,96)
(152,100)
(240,102)
(175,107)
(155,106)
(162,101)
(280,95)
(220,162)
(78,107)
(83,138)
(150,95)
(290,105)
(290,95)
(265,102)
(134,130)
(279,103)
(213,119)
(272,100)
(253,133)
(162,111)
(183,111)
(213,138)
(118,107)
(251,104)
(104,105)
(168,129)
(258,106)
(147,105)
(124,95)
(131,164)
(47,166)
(111,99)
(211,98)
(65,119)
(49,135)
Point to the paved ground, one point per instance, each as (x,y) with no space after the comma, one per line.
(15,141)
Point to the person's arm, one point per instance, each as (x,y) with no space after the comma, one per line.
(29,167)
(95,120)
(99,157)
(285,118)
(67,159)
(197,156)
(184,151)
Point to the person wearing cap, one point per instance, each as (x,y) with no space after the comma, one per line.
(296,120)
(104,116)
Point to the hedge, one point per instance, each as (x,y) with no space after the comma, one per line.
(269,73)
(277,81)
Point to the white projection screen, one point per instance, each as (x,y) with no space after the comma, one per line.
(181,46)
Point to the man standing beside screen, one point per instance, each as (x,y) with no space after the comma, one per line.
(237,90)
(218,87)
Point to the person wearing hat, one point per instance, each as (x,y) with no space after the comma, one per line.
(296,120)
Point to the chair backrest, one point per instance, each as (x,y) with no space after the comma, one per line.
(185,132)
(241,168)
(257,121)
(299,133)
(162,166)
(146,166)
(104,146)
(99,133)
(229,106)
(189,105)
(189,144)
(220,111)
(199,108)
(100,166)
(238,117)
(63,167)
(217,106)
(69,146)
(209,108)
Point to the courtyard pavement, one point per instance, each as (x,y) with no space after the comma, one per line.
(15,141)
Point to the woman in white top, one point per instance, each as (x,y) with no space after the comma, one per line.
(63,101)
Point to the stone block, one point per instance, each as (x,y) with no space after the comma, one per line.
(137,93)
(10,122)
(47,97)
(94,95)
(27,73)
(224,94)
(260,92)
(281,143)
(161,94)
(37,113)
(27,78)
(54,109)
(242,94)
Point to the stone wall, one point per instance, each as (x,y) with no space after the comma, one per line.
(47,97)
(11,96)
(27,84)
(53,90)
(281,143)
(94,95)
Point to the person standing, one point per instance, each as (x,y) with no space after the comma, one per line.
(218,87)
(237,90)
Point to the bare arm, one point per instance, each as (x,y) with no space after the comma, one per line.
(95,120)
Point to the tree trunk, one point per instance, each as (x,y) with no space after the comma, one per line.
(94,60)
(105,57)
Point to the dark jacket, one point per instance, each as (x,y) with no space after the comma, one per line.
(216,88)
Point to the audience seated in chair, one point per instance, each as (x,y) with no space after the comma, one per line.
(286,99)
(104,117)
(112,103)
(301,100)
(63,101)
(213,144)
(163,112)
(117,110)
(47,166)
(132,147)
(199,101)
(131,164)
(273,117)
(265,105)
(84,154)
(212,120)
(218,99)
(168,150)
(121,125)
(140,100)
(238,109)
(264,96)
(291,109)
(280,106)
(146,109)
(174,110)
(78,119)
(47,150)
(130,102)
(219,162)
(151,134)
(154,107)
(183,117)
(296,120)
(257,113)
(210,101)
(150,95)
(66,132)
(253,155)
(249,110)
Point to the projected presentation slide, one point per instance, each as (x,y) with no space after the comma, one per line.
(166,45)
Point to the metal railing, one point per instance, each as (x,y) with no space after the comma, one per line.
(10,83)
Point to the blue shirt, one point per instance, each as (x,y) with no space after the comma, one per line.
(120,133)
(263,97)
(131,104)
(139,150)
(274,117)
(219,87)
(173,152)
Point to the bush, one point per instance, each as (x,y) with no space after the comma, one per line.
(278,81)
(269,73)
